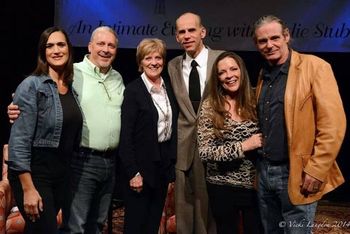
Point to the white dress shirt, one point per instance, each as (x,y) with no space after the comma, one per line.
(162,104)
(201,59)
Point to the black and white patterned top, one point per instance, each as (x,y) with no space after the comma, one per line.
(225,161)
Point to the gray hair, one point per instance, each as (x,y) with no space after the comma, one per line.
(104,28)
(268,19)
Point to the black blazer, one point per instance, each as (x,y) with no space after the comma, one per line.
(139,147)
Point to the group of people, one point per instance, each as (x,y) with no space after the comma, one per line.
(62,146)
(261,158)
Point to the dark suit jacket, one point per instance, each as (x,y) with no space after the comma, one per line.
(139,147)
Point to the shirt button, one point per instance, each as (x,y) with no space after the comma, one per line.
(266,118)
(267,102)
(270,86)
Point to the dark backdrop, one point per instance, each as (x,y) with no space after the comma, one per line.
(26,20)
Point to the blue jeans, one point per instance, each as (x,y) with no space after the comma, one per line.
(92,189)
(278,214)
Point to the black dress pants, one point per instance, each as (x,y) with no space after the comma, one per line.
(50,175)
(230,205)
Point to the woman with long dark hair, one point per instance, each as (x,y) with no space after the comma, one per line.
(44,135)
(227,133)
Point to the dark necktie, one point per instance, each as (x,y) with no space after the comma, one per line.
(194,87)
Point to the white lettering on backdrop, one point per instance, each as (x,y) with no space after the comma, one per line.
(315,25)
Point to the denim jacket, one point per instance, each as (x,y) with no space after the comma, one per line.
(40,121)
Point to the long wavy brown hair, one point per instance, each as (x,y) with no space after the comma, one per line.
(245,98)
(42,67)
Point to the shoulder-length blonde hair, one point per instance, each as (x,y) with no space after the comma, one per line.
(245,101)
(147,46)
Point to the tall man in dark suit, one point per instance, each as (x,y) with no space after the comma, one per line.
(191,199)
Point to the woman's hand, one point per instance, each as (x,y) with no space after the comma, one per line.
(253,142)
(32,203)
(136,183)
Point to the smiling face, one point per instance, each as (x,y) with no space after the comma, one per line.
(56,52)
(229,75)
(272,42)
(190,33)
(103,49)
(152,65)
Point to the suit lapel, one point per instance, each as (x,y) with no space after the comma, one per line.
(179,85)
(148,100)
(169,91)
(181,90)
(290,94)
(210,63)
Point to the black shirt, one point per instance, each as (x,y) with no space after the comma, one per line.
(72,124)
(54,163)
(271,112)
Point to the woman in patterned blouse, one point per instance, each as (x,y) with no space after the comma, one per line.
(227,136)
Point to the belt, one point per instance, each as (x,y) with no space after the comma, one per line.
(264,156)
(276,163)
(104,154)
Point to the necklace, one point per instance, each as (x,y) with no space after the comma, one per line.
(166,113)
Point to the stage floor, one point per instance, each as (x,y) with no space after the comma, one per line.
(331,218)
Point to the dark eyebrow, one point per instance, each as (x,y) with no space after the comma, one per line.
(275,37)
(188,29)
(60,43)
(262,40)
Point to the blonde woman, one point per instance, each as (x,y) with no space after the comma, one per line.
(148,140)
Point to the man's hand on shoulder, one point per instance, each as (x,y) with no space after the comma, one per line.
(13,112)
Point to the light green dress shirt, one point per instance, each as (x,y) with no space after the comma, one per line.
(100,96)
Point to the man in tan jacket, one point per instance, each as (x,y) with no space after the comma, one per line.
(303,123)
(191,199)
